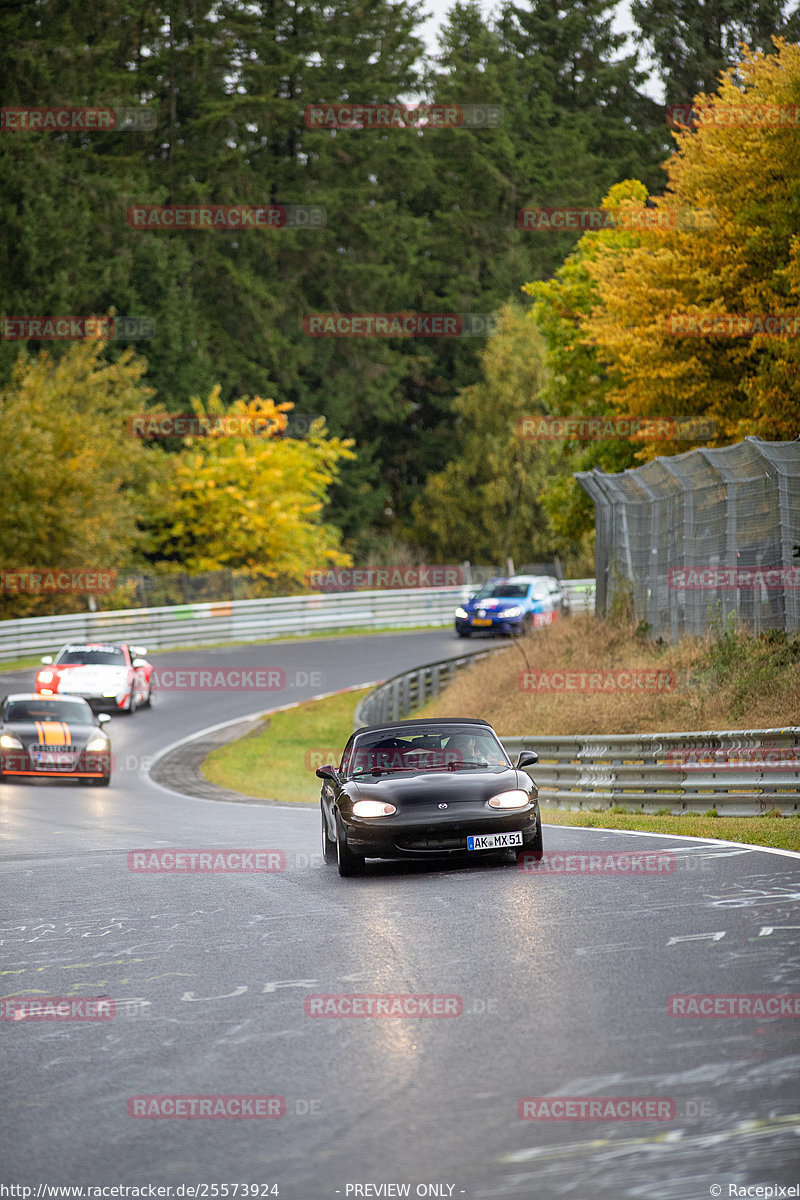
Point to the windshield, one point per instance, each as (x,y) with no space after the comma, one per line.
(75,711)
(502,591)
(510,591)
(106,655)
(458,748)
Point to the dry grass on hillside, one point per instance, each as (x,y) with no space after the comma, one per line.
(736,683)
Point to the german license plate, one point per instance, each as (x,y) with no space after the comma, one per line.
(49,760)
(494,841)
(481,621)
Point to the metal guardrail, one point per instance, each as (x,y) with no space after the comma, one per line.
(244,620)
(580,594)
(402,694)
(234,621)
(737,772)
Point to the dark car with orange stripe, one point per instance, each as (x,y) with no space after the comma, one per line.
(52,738)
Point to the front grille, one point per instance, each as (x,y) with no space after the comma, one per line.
(431,843)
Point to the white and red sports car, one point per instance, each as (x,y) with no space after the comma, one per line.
(117,678)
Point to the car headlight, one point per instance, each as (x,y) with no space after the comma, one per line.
(513,799)
(99,742)
(372,808)
(109,695)
(512,612)
(462,613)
(44,676)
(9,742)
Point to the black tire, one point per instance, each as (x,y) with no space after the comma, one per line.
(148,703)
(464,632)
(131,707)
(534,848)
(527,625)
(348,863)
(328,846)
(102,782)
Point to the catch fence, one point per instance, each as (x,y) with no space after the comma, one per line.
(700,539)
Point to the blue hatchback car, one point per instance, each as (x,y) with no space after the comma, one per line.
(511,606)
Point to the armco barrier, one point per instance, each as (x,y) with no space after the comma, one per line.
(247,620)
(402,694)
(235,621)
(642,772)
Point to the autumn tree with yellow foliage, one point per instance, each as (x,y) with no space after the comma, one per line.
(726,241)
(251,501)
(71,474)
(81,490)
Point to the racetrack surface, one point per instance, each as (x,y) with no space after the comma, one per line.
(563,978)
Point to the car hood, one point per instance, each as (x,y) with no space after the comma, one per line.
(439,786)
(92,676)
(51,733)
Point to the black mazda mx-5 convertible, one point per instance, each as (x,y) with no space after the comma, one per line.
(427,788)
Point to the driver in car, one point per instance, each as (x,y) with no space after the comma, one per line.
(472,748)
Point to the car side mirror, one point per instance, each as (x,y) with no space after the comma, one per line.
(327,771)
(102,718)
(139,662)
(48,658)
(527,758)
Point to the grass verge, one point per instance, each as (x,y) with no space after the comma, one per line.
(278,759)
(277,762)
(735,681)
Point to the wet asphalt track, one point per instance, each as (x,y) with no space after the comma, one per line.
(564,981)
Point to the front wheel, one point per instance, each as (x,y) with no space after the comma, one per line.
(534,848)
(103,781)
(464,632)
(328,846)
(347,862)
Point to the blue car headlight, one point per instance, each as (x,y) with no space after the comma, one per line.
(462,613)
(512,612)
